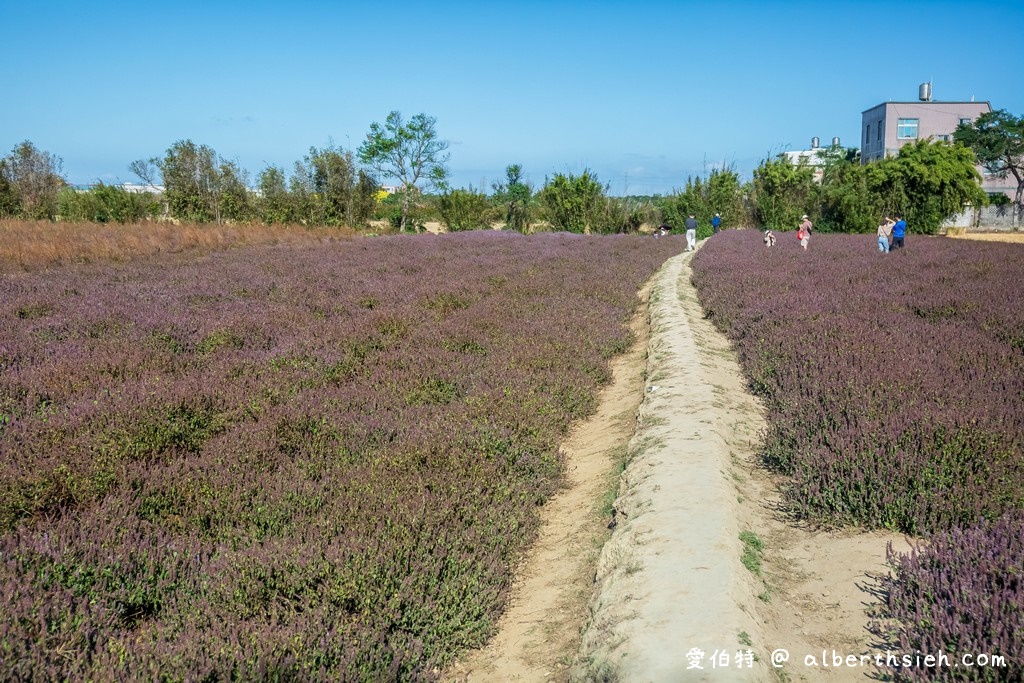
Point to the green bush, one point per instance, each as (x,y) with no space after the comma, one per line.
(107,204)
(574,203)
(464,210)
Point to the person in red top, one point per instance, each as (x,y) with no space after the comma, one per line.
(803,232)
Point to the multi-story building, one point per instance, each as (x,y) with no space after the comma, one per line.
(812,157)
(888,126)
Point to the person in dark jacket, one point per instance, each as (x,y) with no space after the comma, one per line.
(716,224)
(691,233)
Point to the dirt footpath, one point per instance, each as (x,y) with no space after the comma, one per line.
(674,587)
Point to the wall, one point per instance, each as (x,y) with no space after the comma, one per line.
(987,218)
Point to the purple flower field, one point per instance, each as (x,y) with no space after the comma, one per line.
(284,463)
(894,386)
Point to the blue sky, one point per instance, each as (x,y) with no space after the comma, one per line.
(645,94)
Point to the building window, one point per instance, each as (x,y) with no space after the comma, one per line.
(867,135)
(879,131)
(906,129)
(965,122)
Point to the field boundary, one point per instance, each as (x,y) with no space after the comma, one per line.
(671,579)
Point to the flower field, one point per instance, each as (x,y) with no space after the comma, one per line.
(290,462)
(894,386)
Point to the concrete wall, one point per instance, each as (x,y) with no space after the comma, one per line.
(999,218)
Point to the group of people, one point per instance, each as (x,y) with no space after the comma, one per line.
(891,234)
(691,229)
(803,233)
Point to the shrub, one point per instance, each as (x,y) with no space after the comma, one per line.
(961,594)
(464,210)
(106,204)
(574,203)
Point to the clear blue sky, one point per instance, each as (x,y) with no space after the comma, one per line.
(643,93)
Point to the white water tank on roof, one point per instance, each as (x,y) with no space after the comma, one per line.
(924,92)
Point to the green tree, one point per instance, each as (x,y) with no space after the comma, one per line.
(30,180)
(928,182)
(329,190)
(274,203)
(231,195)
(997,140)
(781,192)
(516,198)
(8,192)
(721,193)
(409,152)
(574,203)
(191,181)
(464,210)
(845,203)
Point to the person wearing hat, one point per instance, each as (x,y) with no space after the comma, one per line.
(803,232)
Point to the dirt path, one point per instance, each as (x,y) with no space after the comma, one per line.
(670,580)
(540,631)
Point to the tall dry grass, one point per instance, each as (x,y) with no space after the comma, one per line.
(33,245)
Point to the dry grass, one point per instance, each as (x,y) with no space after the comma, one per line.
(33,245)
(1015,237)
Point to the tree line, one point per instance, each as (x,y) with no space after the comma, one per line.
(928,182)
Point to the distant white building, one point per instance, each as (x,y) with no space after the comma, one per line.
(137,188)
(811,157)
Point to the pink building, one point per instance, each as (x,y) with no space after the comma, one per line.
(888,126)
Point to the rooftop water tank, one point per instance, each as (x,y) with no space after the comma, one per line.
(924,92)
(835,141)
(814,143)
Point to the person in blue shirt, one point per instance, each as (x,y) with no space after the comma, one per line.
(899,232)
(716,224)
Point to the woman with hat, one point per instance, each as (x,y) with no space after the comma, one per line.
(803,231)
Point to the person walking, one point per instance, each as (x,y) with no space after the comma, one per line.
(899,232)
(884,232)
(716,224)
(803,231)
(691,233)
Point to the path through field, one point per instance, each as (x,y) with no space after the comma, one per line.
(669,580)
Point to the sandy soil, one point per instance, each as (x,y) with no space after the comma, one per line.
(1015,237)
(669,578)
